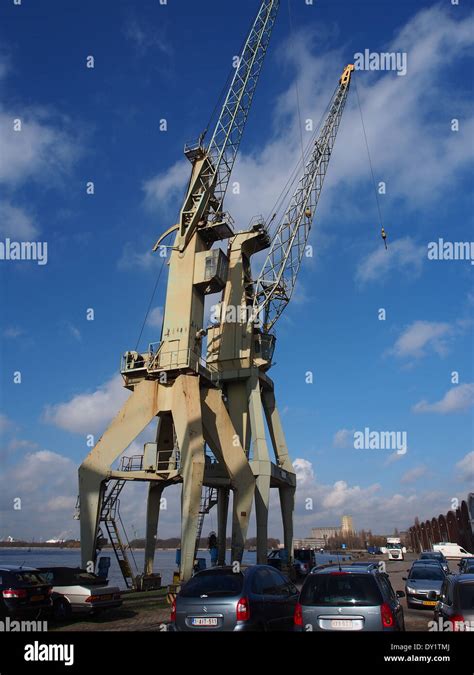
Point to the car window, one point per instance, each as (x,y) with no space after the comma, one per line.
(340,590)
(443,595)
(466,596)
(258,582)
(48,576)
(428,573)
(214,583)
(387,586)
(24,578)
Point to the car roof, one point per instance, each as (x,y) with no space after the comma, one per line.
(17,568)
(347,569)
(427,561)
(462,578)
(435,553)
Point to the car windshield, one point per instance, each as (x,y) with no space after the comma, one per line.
(71,577)
(466,596)
(214,583)
(340,590)
(428,573)
(431,556)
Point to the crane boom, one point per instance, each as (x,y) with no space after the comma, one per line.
(212,166)
(276,281)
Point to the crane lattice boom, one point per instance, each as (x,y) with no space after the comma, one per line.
(276,282)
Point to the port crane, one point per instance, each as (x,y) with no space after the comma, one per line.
(207,386)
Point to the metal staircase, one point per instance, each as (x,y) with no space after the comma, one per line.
(110,516)
(208,500)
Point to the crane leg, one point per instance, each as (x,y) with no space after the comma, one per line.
(186,410)
(261,465)
(138,411)
(155,490)
(222,513)
(221,436)
(287,492)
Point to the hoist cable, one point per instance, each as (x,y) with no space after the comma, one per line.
(150,303)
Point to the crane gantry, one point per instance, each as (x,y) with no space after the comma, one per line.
(211,401)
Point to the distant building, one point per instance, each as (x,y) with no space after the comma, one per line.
(347,525)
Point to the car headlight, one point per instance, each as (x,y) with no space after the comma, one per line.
(411,590)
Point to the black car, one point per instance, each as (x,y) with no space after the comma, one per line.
(435,555)
(258,598)
(466,566)
(23,591)
(455,606)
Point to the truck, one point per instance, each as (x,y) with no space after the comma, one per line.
(395,549)
(451,551)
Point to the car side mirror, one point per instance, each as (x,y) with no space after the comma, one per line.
(404,578)
(432,595)
(400,594)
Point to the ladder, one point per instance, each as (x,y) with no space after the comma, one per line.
(110,516)
(208,500)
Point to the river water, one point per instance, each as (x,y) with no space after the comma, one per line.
(71,557)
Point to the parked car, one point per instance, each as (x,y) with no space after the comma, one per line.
(456,602)
(424,578)
(466,566)
(366,565)
(301,565)
(435,555)
(429,561)
(451,551)
(76,591)
(23,591)
(218,599)
(351,598)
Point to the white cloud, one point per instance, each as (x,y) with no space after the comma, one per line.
(456,399)
(419,336)
(131,259)
(304,471)
(155,318)
(16,223)
(465,468)
(145,37)
(44,150)
(5,423)
(13,332)
(402,255)
(74,331)
(89,413)
(167,186)
(343,438)
(412,475)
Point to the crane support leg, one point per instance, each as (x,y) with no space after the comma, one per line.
(138,411)
(261,466)
(222,513)
(155,490)
(287,493)
(221,436)
(186,410)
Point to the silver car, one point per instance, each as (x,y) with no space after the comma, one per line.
(77,591)
(424,579)
(348,598)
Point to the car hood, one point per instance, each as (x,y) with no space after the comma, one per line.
(424,584)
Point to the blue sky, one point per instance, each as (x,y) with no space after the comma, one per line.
(102,125)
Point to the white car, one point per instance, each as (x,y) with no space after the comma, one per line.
(76,591)
(451,551)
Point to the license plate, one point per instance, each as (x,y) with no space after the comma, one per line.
(105,597)
(36,598)
(429,602)
(341,624)
(204,621)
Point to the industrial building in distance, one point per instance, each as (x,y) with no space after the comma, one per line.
(320,535)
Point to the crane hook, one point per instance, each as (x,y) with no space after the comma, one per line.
(384,237)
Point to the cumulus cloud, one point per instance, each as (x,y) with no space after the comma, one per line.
(421,337)
(167,186)
(343,438)
(457,399)
(403,255)
(412,475)
(465,468)
(304,471)
(155,318)
(16,223)
(89,413)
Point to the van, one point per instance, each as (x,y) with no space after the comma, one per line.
(451,550)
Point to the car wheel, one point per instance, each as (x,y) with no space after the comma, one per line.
(61,609)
